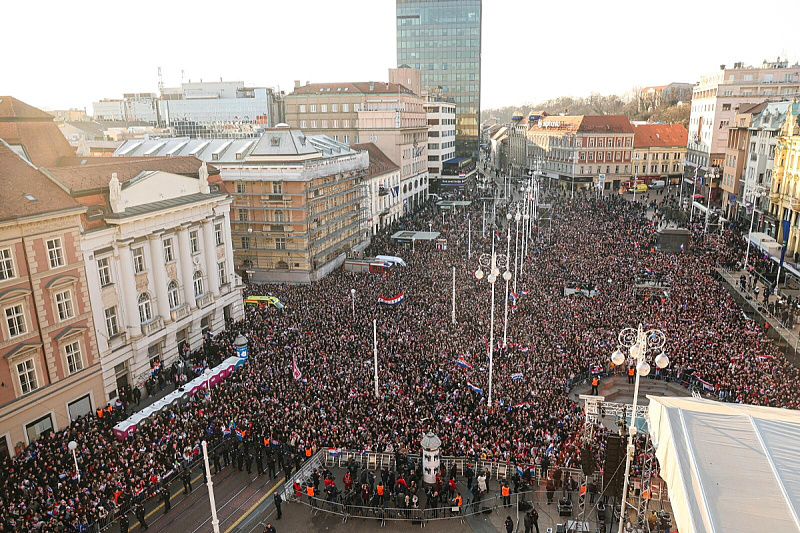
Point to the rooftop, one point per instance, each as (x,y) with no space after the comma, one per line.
(659,135)
(379,163)
(585,124)
(28,192)
(33,132)
(362,87)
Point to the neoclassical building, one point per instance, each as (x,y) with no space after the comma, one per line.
(159,260)
(785,192)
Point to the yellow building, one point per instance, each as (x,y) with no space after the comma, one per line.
(785,191)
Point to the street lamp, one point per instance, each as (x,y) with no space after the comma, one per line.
(640,344)
(214,519)
(72,447)
(757,194)
(494,262)
(517,218)
(353,301)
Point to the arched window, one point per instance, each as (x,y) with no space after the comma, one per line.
(278,215)
(173,294)
(145,311)
(197,280)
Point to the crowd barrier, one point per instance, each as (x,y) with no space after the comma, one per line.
(127,427)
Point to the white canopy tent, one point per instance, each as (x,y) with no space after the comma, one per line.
(728,467)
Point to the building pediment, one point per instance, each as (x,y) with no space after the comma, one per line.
(153,186)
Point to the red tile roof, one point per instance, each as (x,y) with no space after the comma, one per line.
(605,124)
(96,173)
(33,129)
(659,135)
(20,178)
(378,87)
(379,163)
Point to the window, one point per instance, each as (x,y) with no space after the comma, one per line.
(345,123)
(194,242)
(80,407)
(138,260)
(40,427)
(73,353)
(197,281)
(278,216)
(221,272)
(280,243)
(64,305)
(173,295)
(277,187)
(241,187)
(313,108)
(218,234)
(104,271)
(15,319)
(302,108)
(27,376)
(169,256)
(55,253)
(6,264)
(345,109)
(245,243)
(244,215)
(355,108)
(112,328)
(323,108)
(145,311)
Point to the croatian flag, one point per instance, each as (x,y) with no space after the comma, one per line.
(647,269)
(463,363)
(239,434)
(296,374)
(335,452)
(517,376)
(392,301)
(524,350)
(513,296)
(226,432)
(524,292)
(708,387)
(473,388)
(765,357)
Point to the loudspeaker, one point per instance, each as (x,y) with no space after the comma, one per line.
(614,469)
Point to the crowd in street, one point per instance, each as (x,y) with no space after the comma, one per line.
(262,414)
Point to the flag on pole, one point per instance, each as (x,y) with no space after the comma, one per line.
(513,296)
(463,363)
(708,387)
(473,388)
(296,374)
(392,301)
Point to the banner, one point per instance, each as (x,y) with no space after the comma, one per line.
(392,301)
(296,374)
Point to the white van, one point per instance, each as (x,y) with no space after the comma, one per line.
(391,259)
(657,184)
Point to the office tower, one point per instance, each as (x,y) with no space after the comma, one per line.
(442,38)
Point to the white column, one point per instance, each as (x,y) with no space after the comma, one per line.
(159,274)
(187,267)
(127,292)
(226,227)
(210,254)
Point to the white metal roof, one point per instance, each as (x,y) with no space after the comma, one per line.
(728,467)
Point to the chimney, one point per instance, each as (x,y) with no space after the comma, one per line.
(722,67)
(296,84)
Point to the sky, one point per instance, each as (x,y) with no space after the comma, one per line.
(532,50)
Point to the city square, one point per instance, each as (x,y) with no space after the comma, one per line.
(366,305)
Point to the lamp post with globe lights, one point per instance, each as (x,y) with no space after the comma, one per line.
(353,301)
(641,345)
(493,262)
(517,218)
(72,447)
(207,373)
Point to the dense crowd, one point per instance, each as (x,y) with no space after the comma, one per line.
(607,243)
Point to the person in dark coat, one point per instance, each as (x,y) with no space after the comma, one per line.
(165,498)
(123,523)
(186,477)
(278,501)
(138,511)
(509,525)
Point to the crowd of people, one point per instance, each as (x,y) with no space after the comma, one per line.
(262,410)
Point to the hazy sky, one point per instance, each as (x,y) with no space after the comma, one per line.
(80,51)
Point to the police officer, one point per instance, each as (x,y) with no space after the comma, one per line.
(259,463)
(278,501)
(248,461)
(138,511)
(165,498)
(215,458)
(123,523)
(186,477)
(595,383)
(269,528)
(271,463)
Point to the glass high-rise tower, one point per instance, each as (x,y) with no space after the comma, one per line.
(442,38)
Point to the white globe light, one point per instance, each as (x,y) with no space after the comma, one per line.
(508,216)
(527,216)
(479,274)
(635,351)
(495,271)
(517,217)
(643,368)
(662,360)
(72,445)
(617,358)
(507,275)
(492,278)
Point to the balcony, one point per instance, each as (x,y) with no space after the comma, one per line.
(795,205)
(156,324)
(383,191)
(179,313)
(204,300)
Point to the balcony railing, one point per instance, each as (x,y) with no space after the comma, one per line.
(204,300)
(179,313)
(383,191)
(151,327)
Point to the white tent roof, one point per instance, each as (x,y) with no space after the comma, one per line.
(728,467)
